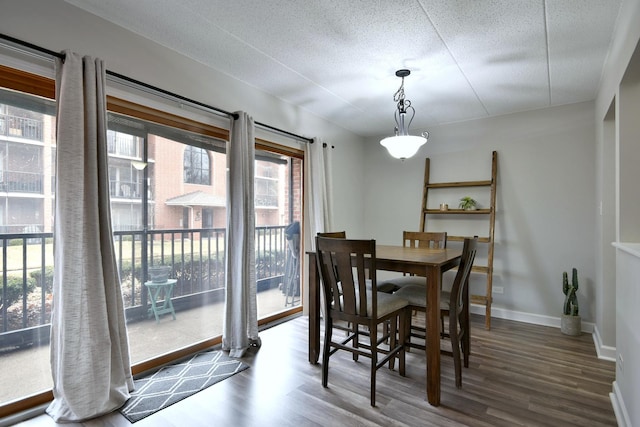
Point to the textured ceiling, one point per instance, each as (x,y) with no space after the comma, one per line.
(337,58)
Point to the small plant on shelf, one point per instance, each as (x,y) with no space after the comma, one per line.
(467,203)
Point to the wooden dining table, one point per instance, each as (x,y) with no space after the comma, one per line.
(430,263)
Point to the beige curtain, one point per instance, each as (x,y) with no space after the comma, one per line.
(89,348)
(318,188)
(240,329)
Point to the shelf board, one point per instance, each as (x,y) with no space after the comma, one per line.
(459,184)
(475,269)
(457,212)
(461,239)
(478,299)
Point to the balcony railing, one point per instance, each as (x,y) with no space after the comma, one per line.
(21,182)
(20,127)
(122,144)
(197,257)
(125,189)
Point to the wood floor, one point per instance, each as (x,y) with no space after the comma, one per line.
(519,374)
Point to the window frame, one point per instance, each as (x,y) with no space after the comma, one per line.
(37,85)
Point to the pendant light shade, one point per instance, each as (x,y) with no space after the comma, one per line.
(402,145)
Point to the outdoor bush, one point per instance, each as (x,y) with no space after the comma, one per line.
(15,290)
(48,278)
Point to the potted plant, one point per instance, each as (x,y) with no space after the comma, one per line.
(467,203)
(570,323)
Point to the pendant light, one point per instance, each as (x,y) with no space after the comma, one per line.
(402,145)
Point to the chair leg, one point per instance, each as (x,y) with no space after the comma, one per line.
(455,349)
(407,329)
(326,351)
(385,330)
(466,339)
(356,339)
(465,347)
(406,314)
(373,334)
(392,333)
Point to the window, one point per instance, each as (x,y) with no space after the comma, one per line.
(27,170)
(196,166)
(159,217)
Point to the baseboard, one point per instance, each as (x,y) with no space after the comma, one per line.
(605,352)
(520,316)
(620,410)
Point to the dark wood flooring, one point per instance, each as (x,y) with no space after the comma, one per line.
(519,375)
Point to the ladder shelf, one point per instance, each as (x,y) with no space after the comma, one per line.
(487,240)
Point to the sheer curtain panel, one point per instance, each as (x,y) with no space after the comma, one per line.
(317,169)
(89,348)
(240,329)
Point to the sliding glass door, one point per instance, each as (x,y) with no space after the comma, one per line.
(167,187)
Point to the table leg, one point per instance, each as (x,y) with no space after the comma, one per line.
(153,293)
(314,311)
(167,306)
(434,279)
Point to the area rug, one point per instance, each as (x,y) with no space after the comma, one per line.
(173,383)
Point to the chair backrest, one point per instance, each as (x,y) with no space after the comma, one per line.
(424,239)
(345,266)
(460,286)
(334,234)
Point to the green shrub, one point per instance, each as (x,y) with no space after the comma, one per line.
(15,289)
(48,278)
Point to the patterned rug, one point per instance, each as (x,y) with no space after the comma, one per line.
(173,383)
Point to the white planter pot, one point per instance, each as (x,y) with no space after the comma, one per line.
(571,325)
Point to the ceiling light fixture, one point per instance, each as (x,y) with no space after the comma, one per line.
(402,145)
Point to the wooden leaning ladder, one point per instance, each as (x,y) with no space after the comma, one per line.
(488,240)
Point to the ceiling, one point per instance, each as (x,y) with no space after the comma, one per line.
(337,58)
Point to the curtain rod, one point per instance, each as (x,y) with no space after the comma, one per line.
(154,88)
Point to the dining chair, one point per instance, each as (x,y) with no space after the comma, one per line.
(345,266)
(334,234)
(453,305)
(414,239)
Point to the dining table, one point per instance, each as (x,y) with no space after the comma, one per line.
(428,262)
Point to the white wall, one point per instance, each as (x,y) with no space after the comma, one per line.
(627,384)
(615,127)
(545,217)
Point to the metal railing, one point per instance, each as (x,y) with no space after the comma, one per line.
(197,257)
(21,182)
(21,127)
(125,189)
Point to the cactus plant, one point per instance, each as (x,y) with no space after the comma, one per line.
(570,307)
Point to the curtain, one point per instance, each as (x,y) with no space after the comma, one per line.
(317,169)
(240,328)
(318,187)
(89,349)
